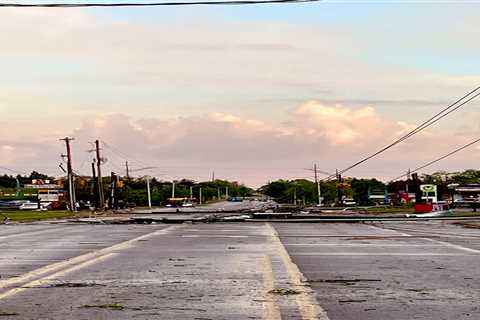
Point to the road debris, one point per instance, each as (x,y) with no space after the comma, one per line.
(8,314)
(284,292)
(111,306)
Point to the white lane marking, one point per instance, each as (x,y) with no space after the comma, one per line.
(451,245)
(420,254)
(69,263)
(306,300)
(391,230)
(208,236)
(40,282)
(272,311)
(28,233)
(447,244)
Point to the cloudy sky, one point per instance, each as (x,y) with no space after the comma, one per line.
(255,93)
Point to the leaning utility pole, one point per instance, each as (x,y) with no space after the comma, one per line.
(318,185)
(70,178)
(101,199)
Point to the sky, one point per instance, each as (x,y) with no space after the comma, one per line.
(254,93)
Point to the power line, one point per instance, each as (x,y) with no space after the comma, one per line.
(11,170)
(124,155)
(439,159)
(437,117)
(319,171)
(148,4)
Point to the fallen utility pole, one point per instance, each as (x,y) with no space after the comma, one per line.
(101,198)
(70,177)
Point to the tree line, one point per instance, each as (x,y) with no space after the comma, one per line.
(134,190)
(305,191)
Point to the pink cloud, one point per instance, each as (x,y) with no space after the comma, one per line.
(237,148)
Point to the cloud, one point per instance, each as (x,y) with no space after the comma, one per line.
(245,149)
(342,125)
(215,94)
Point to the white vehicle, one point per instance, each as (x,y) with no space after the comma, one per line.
(29,206)
(349,202)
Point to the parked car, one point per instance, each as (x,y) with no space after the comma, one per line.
(29,206)
(349,202)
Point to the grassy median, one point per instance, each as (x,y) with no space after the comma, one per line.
(28,216)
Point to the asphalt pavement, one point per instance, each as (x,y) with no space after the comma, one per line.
(414,270)
(408,270)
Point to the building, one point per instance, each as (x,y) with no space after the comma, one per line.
(467,194)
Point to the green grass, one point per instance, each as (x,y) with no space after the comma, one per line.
(26,216)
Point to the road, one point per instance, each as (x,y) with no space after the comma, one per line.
(415,270)
(211,207)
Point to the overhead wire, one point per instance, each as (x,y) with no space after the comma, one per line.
(148,4)
(124,155)
(432,120)
(438,159)
(13,171)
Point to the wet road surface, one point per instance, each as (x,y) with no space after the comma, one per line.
(239,271)
(389,271)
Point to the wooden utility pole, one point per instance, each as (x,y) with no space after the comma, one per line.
(94,186)
(406,183)
(113,203)
(319,193)
(295,195)
(149,198)
(127,170)
(101,198)
(70,177)
(339,187)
